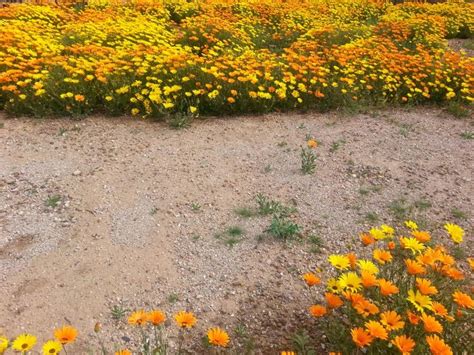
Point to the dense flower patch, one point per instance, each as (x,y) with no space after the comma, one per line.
(409,296)
(151,58)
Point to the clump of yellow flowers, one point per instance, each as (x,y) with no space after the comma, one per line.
(153,59)
(406,295)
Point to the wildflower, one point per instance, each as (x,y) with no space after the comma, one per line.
(413,318)
(376,330)
(168,105)
(425,287)
(139,317)
(185,319)
(109,98)
(288,353)
(312,143)
(421,236)
(156,317)
(382,256)
(455,232)
(333,286)
(377,234)
(350,281)
(123,352)
(387,288)
(352,259)
(365,308)
(24,342)
(388,231)
(368,279)
(438,346)
(404,344)
(311,279)
(340,262)
(453,273)
(463,300)
(52,347)
(419,301)
(431,325)
(391,245)
(135,111)
(414,267)
(3,344)
(66,334)
(193,109)
(369,266)
(391,320)
(218,337)
(441,311)
(333,301)
(367,239)
(317,310)
(360,337)
(79,98)
(412,243)
(412,225)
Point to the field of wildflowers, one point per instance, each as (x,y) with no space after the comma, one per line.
(153,58)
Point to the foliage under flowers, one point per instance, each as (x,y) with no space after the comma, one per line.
(409,296)
(153,58)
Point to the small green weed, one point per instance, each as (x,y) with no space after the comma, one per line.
(457,213)
(53,201)
(308,161)
(371,217)
(282,228)
(316,243)
(180,121)
(267,206)
(118,312)
(196,207)
(467,135)
(245,212)
(336,145)
(234,231)
(457,110)
(173,298)
(400,209)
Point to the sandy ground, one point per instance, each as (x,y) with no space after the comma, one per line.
(139,206)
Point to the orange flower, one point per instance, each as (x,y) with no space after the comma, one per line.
(317,310)
(352,259)
(352,297)
(431,325)
(333,301)
(156,317)
(218,337)
(360,337)
(382,256)
(66,334)
(139,317)
(391,245)
(123,352)
(365,308)
(421,236)
(312,143)
(414,267)
(367,239)
(438,346)
(425,287)
(79,98)
(441,311)
(376,330)
(463,300)
(387,288)
(453,273)
(404,344)
(368,279)
(185,319)
(413,318)
(391,320)
(311,279)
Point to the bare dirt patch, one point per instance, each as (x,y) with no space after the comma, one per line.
(119,212)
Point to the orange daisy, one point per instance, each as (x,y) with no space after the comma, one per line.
(382,256)
(421,236)
(387,288)
(317,310)
(156,317)
(333,301)
(438,346)
(431,325)
(425,287)
(414,267)
(404,344)
(391,245)
(413,318)
(368,279)
(66,334)
(376,330)
(139,317)
(463,300)
(185,319)
(365,308)
(367,239)
(352,259)
(360,337)
(391,320)
(311,279)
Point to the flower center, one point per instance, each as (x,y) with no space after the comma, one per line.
(24,346)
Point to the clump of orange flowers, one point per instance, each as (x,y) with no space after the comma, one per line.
(403,293)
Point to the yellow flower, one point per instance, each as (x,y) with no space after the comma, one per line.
(109,98)
(333,286)
(24,343)
(340,262)
(217,337)
(350,281)
(419,301)
(135,111)
(192,109)
(139,317)
(412,243)
(185,319)
(3,344)
(168,105)
(455,232)
(368,266)
(412,225)
(51,347)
